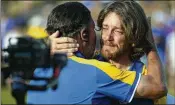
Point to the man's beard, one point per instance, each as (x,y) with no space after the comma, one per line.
(113,52)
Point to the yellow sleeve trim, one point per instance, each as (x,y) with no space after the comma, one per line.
(144,70)
(116,74)
(158,101)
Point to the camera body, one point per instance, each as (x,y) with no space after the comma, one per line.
(25,54)
(22,57)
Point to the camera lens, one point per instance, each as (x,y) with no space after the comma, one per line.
(13,41)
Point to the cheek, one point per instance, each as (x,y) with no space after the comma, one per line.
(103,37)
(119,40)
(92,35)
(103,40)
(93,39)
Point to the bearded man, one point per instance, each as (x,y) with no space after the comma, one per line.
(124,30)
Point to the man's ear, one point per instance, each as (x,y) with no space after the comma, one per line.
(84,35)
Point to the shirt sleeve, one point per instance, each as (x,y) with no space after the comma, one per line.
(118,84)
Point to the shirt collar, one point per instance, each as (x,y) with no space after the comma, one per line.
(78,54)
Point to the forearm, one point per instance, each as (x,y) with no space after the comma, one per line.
(148,88)
(155,68)
(153,84)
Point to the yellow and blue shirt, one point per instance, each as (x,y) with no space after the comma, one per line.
(82,81)
(139,67)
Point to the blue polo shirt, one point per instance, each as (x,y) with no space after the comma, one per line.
(83,80)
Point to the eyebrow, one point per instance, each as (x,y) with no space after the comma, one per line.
(118,28)
(115,27)
(104,25)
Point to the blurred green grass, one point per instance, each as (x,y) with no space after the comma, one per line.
(6,97)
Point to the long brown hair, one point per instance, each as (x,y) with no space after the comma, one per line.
(133,22)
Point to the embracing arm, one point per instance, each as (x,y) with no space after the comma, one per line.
(153,84)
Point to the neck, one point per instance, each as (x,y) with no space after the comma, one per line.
(123,62)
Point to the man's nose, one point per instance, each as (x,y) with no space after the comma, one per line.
(109,35)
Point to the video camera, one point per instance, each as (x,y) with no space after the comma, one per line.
(22,57)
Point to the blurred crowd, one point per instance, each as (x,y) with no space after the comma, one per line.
(20,18)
